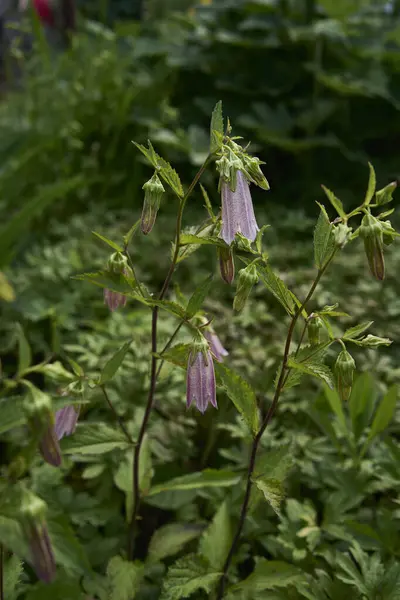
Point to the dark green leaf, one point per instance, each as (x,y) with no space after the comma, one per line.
(216,540)
(123,578)
(177,355)
(93,438)
(271,574)
(198,297)
(68,551)
(163,168)
(24,351)
(336,203)
(276,287)
(355,332)
(318,370)
(199,480)
(116,282)
(241,394)
(273,491)
(171,538)
(384,413)
(324,242)
(216,128)
(108,242)
(371,185)
(112,366)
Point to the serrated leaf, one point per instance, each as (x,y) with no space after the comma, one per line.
(116,282)
(67,550)
(170,307)
(318,370)
(191,238)
(354,332)
(186,576)
(312,354)
(241,394)
(163,168)
(216,128)
(384,413)
(24,351)
(208,205)
(199,480)
(108,241)
(372,341)
(13,570)
(371,185)
(268,575)
(216,540)
(171,538)
(93,438)
(324,242)
(177,355)
(273,491)
(123,578)
(336,203)
(198,297)
(276,287)
(112,366)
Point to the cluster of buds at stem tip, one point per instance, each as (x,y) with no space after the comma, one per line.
(247,279)
(153,191)
(38,409)
(32,518)
(117,263)
(314,327)
(215,345)
(344,370)
(226,264)
(200,384)
(371,231)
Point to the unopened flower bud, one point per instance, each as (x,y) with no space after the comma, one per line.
(117,263)
(254,172)
(153,191)
(32,516)
(200,383)
(342,233)
(226,264)
(388,233)
(344,371)
(384,196)
(247,279)
(314,328)
(38,409)
(371,231)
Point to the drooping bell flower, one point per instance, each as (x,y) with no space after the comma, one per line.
(216,346)
(118,263)
(38,409)
(66,420)
(226,264)
(237,210)
(33,522)
(200,383)
(49,446)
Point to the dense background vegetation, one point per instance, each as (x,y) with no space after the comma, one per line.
(316,87)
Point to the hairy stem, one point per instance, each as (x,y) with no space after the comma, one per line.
(271,411)
(154,372)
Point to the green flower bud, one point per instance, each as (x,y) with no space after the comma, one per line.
(228,166)
(371,231)
(153,191)
(247,279)
(384,196)
(341,234)
(226,264)
(388,233)
(253,171)
(344,371)
(117,263)
(37,405)
(313,329)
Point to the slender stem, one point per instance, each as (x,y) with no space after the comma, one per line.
(168,345)
(154,371)
(116,415)
(132,266)
(271,411)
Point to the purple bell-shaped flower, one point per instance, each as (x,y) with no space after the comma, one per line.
(201,377)
(237,210)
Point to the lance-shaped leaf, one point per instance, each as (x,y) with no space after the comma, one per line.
(177,355)
(318,370)
(355,332)
(372,341)
(270,472)
(371,185)
(107,241)
(199,480)
(336,203)
(276,286)
(216,540)
(171,538)
(191,238)
(24,351)
(112,366)
(324,241)
(384,414)
(198,297)
(93,438)
(116,282)
(163,168)
(241,394)
(216,128)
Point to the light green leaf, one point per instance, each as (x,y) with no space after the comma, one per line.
(11,413)
(371,185)
(191,238)
(186,576)
(177,355)
(116,282)
(198,297)
(216,540)
(199,480)
(12,537)
(93,438)
(373,341)
(77,369)
(384,413)
(63,588)
(13,570)
(241,394)
(361,403)
(123,578)
(24,351)
(276,287)
(67,550)
(273,491)
(356,331)
(336,203)
(270,471)
(164,169)
(216,128)
(112,366)
(324,242)
(271,574)
(318,370)
(109,242)
(336,405)
(171,538)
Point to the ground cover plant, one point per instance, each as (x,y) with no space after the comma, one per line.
(282,482)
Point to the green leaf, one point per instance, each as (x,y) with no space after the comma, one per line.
(276,287)
(198,297)
(216,540)
(77,369)
(67,550)
(112,366)
(356,331)
(273,491)
(384,413)
(191,238)
(123,578)
(199,480)
(269,575)
(270,472)
(170,307)
(108,242)
(13,570)
(63,588)
(241,394)
(371,185)
(116,282)
(318,370)
(163,168)
(372,341)
(177,355)
(216,128)
(12,413)
(313,354)
(336,405)
(187,575)
(171,538)
(93,438)
(324,242)
(24,351)
(12,537)
(361,403)
(336,203)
